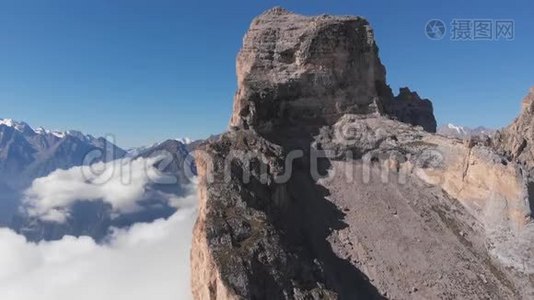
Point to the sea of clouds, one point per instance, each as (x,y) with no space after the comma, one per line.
(121,183)
(145,261)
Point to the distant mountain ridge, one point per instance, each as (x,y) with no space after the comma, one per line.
(96,218)
(27,153)
(457,131)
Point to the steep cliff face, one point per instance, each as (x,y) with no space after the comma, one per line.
(320,192)
(238,251)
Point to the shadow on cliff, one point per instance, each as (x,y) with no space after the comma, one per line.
(309,218)
(530,188)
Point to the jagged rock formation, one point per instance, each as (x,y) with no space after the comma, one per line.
(516,141)
(319,192)
(409,108)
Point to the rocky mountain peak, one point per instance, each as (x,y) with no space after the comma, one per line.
(302,70)
(295,70)
(405,94)
(16,125)
(409,108)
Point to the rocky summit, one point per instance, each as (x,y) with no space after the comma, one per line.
(330,187)
(297,70)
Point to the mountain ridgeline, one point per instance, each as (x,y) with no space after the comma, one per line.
(26,154)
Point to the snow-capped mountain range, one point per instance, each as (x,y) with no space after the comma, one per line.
(24,128)
(456,131)
(27,153)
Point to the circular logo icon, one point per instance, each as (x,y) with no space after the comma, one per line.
(435,29)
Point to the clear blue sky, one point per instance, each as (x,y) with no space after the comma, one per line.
(150,70)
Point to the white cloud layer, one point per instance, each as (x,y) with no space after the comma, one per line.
(147,261)
(120,183)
